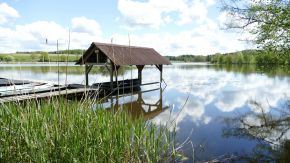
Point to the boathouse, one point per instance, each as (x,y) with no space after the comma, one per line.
(114,56)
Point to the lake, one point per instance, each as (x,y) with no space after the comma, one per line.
(219,112)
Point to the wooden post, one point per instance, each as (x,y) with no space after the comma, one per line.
(87,75)
(87,71)
(161,99)
(111,76)
(140,68)
(116,68)
(161,67)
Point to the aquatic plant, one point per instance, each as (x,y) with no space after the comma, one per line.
(70,131)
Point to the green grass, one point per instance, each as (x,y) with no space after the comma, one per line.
(38,57)
(70,131)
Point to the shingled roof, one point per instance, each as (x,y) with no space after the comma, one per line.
(123,55)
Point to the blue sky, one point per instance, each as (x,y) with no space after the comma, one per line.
(172,27)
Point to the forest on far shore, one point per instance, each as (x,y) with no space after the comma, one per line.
(259,57)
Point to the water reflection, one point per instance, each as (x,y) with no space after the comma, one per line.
(138,104)
(270,128)
(62,69)
(198,98)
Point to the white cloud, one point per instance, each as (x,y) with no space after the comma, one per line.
(204,39)
(140,13)
(85,25)
(6,12)
(153,13)
(196,11)
(33,36)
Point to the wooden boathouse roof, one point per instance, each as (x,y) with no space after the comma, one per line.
(122,55)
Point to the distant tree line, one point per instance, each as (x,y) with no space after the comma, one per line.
(188,58)
(73,51)
(260,57)
(38,57)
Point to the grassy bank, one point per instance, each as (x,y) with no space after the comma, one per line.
(43,57)
(57,131)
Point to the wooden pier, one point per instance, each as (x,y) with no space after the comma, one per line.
(111,56)
(79,92)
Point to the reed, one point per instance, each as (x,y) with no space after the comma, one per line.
(70,131)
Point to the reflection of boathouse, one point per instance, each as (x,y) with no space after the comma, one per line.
(114,56)
(137,105)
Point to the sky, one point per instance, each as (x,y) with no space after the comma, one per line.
(172,27)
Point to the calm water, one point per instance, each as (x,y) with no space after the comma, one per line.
(236,112)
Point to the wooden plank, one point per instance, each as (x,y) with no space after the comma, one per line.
(45,95)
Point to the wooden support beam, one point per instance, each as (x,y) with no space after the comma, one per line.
(160,67)
(111,76)
(87,71)
(113,68)
(89,68)
(161,98)
(116,68)
(88,54)
(140,68)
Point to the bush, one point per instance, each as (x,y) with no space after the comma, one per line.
(63,58)
(44,57)
(240,59)
(34,56)
(6,58)
(228,59)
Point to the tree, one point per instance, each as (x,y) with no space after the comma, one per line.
(44,57)
(63,58)
(6,58)
(33,56)
(267,20)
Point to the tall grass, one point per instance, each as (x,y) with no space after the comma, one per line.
(70,131)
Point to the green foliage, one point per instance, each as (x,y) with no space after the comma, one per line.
(63,58)
(34,56)
(44,57)
(268,20)
(6,58)
(251,57)
(73,51)
(228,59)
(220,59)
(70,131)
(188,58)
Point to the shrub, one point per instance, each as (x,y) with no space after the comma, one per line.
(6,58)
(44,57)
(34,56)
(63,58)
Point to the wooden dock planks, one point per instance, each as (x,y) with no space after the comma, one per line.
(46,95)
